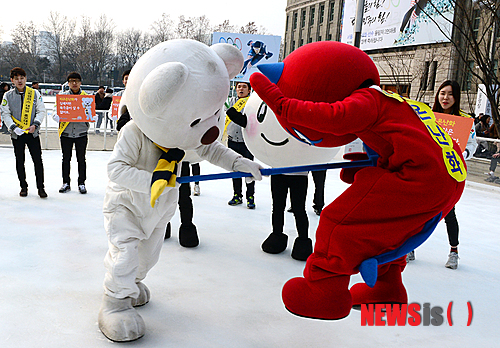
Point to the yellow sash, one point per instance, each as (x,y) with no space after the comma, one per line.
(452,160)
(63,125)
(165,172)
(239,105)
(25,123)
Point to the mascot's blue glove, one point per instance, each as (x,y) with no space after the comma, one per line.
(347,174)
(268,91)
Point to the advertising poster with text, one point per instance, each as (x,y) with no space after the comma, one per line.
(115,107)
(256,49)
(394,23)
(457,127)
(75,108)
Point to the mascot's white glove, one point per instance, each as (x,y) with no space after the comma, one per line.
(245,165)
(55,117)
(18,131)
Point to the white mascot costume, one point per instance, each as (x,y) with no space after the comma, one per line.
(271,144)
(174,95)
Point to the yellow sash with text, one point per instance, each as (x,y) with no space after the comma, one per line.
(239,105)
(25,123)
(63,125)
(452,160)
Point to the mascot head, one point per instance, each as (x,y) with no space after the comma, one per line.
(325,71)
(176,90)
(268,141)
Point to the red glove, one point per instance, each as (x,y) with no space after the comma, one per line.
(268,91)
(347,174)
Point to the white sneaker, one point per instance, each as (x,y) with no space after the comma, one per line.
(82,189)
(452,261)
(196,190)
(410,256)
(65,188)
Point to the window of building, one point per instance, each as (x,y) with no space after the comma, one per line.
(467,83)
(311,16)
(329,37)
(303,19)
(295,17)
(319,37)
(432,76)
(286,26)
(332,11)
(425,76)
(476,17)
(301,42)
(293,46)
(321,13)
(310,40)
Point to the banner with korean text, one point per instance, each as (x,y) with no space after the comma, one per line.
(457,127)
(75,108)
(393,23)
(115,106)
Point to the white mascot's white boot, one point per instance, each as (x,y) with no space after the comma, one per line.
(119,321)
(144,295)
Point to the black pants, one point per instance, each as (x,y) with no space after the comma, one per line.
(297,184)
(195,168)
(35,150)
(185,202)
(493,164)
(452,227)
(242,149)
(67,151)
(319,178)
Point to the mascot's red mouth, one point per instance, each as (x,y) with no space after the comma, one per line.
(210,136)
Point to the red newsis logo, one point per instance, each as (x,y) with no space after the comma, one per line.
(412,314)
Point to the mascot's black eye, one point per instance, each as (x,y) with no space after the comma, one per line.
(195,122)
(261,113)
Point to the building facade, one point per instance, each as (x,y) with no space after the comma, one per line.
(414,71)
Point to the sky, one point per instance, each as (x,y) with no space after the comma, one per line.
(269,14)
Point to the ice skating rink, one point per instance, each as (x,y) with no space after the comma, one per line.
(226,292)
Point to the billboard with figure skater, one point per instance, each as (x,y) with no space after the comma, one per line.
(255,48)
(393,23)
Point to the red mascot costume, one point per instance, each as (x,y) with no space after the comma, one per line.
(327,94)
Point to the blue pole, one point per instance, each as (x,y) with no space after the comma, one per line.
(372,161)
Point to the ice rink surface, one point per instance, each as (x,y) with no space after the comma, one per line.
(226,292)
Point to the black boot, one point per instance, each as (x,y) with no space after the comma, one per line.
(276,243)
(302,248)
(188,236)
(168,231)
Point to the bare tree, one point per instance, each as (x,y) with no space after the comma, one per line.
(131,45)
(103,38)
(474,40)
(225,27)
(24,52)
(163,29)
(60,33)
(249,28)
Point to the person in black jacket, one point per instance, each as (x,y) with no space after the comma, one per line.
(125,117)
(105,105)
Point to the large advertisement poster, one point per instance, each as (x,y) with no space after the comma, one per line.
(393,23)
(256,49)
